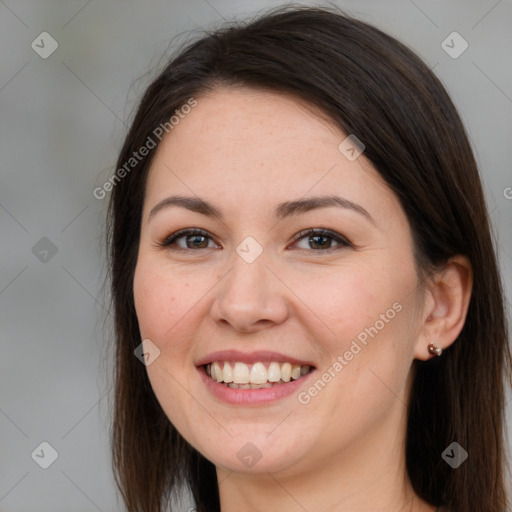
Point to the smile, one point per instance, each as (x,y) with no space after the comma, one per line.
(256,384)
(260,375)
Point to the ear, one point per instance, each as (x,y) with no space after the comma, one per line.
(447,300)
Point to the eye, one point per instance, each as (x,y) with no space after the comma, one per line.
(321,240)
(193,239)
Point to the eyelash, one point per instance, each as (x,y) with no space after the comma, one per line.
(342,241)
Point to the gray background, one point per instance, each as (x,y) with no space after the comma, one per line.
(62,121)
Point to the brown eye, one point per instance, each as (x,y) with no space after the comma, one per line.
(193,239)
(321,240)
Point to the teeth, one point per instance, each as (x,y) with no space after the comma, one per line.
(286,372)
(242,376)
(295,373)
(274,372)
(254,386)
(228,373)
(258,374)
(240,373)
(217,372)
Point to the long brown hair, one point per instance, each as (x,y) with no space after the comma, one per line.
(371,85)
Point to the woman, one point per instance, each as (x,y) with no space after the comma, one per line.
(301,257)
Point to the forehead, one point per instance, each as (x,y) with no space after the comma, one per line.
(250,147)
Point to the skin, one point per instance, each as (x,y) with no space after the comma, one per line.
(245,151)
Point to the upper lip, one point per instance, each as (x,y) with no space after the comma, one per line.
(249,357)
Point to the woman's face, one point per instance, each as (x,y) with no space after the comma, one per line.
(346,302)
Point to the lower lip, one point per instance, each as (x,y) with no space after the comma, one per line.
(252,396)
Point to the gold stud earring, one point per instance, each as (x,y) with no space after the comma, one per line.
(435,350)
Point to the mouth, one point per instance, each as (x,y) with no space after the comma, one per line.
(258,375)
(258,378)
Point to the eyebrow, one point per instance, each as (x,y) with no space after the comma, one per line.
(282,210)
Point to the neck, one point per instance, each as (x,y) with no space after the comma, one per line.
(367,474)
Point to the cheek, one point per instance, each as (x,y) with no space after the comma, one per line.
(162,300)
(363,311)
(346,298)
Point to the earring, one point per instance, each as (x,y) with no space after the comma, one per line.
(435,350)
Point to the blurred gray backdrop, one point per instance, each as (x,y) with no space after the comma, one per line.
(71,72)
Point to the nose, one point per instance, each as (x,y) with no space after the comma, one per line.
(250,297)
